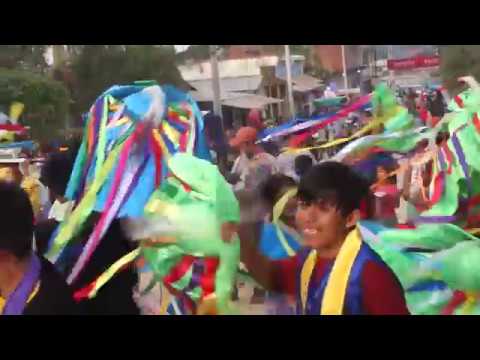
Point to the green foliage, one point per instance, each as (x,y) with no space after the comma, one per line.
(46,101)
(26,57)
(97,67)
(459,60)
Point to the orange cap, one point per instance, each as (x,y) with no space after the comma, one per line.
(244,134)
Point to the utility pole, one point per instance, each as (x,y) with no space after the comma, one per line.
(291,104)
(217,103)
(390,72)
(344,63)
(59,55)
(222,156)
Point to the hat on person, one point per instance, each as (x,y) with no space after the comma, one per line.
(244,135)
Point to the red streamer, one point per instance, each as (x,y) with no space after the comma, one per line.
(207,282)
(157,152)
(299,139)
(476,122)
(458,298)
(12,127)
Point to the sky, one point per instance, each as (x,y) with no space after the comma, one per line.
(49,53)
(180,48)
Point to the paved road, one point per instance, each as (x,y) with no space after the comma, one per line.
(244,306)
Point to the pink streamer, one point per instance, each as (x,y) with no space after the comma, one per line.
(109,205)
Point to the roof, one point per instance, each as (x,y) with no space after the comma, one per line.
(243,83)
(234,98)
(305,83)
(294,58)
(250,101)
(348,91)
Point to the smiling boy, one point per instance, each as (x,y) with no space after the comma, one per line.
(336,272)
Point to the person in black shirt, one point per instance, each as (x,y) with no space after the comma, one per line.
(436,104)
(29,285)
(116,297)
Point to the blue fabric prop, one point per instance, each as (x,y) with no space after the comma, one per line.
(21,144)
(271,246)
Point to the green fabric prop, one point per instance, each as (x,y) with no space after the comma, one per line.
(455,261)
(196,217)
(459,266)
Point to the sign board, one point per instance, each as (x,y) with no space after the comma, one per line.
(414,63)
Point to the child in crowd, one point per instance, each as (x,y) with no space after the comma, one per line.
(279,238)
(335,272)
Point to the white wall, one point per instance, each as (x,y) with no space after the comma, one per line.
(227,68)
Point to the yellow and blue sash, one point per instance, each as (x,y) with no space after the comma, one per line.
(339,290)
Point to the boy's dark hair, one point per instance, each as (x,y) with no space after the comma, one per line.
(336,183)
(272,188)
(56,171)
(441,137)
(389,168)
(16,220)
(303,163)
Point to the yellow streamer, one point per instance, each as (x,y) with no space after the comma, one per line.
(16,109)
(30,298)
(282,202)
(306,276)
(164,301)
(374,123)
(334,295)
(277,213)
(76,218)
(119,122)
(469,303)
(161,143)
(171,132)
(112,270)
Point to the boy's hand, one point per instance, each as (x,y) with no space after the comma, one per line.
(228,229)
(159,240)
(232,178)
(252,208)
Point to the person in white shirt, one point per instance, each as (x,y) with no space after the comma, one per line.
(55,174)
(253,166)
(329,94)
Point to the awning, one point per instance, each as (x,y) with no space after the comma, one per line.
(250,101)
(336,101)
(305,83)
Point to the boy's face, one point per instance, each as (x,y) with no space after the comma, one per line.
(322,225)
(249,149)
(382,173)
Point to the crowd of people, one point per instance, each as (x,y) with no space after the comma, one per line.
(298,235)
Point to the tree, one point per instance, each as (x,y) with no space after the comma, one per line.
(456,61)
(26,57)
(46,101)
(98,67)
